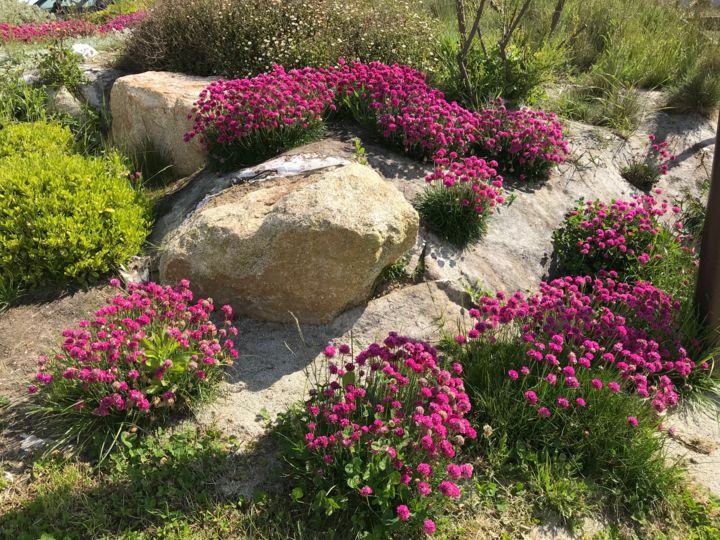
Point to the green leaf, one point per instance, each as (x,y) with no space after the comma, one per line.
(297,493)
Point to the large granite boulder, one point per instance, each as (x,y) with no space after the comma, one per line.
(152,108)
(305,247)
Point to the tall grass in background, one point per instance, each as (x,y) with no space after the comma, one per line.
(608,48)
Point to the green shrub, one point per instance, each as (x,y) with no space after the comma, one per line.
(17,12)
(239,38)
(64,217)
(36,137)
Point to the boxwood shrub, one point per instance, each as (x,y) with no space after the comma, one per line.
(64,218)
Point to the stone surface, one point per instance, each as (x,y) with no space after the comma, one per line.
(152,108)
(191,193)
(305,247)
(61,101)
(99,82)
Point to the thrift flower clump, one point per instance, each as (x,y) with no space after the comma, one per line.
(380,440)
(395,100)
(586,335)
(66,28)
(626,236)
(152,349)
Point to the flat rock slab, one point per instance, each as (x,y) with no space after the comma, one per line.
(695,441)
(278,360)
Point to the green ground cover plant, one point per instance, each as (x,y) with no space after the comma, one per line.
(66,218)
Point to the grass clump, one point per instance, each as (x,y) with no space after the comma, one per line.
(241,38)
(601,100)
(66,218)
(451,214)
(699,89)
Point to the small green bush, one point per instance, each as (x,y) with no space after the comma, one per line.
(240,38)
(63,217)
(18,12)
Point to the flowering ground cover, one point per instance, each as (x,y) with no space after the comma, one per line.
(65,28)
(632,237)
(247,120)
(580,372)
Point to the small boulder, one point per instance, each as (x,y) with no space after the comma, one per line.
(307,247)
(152,108)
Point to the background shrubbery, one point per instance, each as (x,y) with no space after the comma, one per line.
(240,38)
(15,12)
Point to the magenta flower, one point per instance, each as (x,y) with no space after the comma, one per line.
(449,489)
(403,512)
(366,491)
(632,421)
(429,526)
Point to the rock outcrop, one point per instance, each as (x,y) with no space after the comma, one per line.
(152,108)
(305,247)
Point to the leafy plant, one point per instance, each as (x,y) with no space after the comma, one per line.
(65,218)
(149,352)
(59,67)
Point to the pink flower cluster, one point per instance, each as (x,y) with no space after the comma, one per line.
(659,155)
(577,328)
(393,403)
(620,234)
(148,348)
(66,28)
(476,172)
(394,99)
(230,110)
